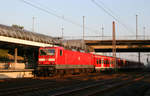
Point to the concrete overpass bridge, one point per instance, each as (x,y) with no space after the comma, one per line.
(121,45)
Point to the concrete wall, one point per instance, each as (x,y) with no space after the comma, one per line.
(4,75)
(12,66)
(4,65)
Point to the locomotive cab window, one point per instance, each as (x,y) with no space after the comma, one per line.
(51,52)
(61,53)
(47,52)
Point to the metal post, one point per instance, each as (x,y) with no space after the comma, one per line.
(114,45)
(15,57)
(62,30)
(144,32)
(83,31)
(139,57)
(136,27)
(102,32)
(33,18)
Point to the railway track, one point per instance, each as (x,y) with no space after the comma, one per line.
(97,87)
(29,85)
(80,88)
(83,88)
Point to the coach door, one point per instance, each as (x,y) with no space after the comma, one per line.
(97,62)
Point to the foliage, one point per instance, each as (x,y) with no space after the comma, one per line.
(17,26)
(3,53)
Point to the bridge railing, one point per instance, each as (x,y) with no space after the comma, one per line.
(140,37)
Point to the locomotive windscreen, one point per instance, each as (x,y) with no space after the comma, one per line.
(47,52)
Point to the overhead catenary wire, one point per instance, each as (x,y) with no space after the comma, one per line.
(35,1)
(51,13)
(108,9)
(56,15)
(110,13)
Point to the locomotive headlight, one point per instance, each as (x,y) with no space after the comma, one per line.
(41,59)
(51,59)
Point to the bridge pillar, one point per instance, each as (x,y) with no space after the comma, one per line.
(15,58)
(139,57)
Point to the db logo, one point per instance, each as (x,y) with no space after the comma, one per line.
(78,58)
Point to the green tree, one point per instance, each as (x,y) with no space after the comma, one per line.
(17,26)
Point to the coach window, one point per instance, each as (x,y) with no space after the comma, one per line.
(99,61)
(104,61)
(117,61)
(107,62)
(110,62)
(61,53)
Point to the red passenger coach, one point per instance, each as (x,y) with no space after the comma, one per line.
(103,62)
(56,59)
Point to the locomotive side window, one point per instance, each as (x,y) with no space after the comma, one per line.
(61,53)
(42,52)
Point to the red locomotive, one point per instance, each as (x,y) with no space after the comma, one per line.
(53,60)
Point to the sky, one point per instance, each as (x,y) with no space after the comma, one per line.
(17,12)
(20,13)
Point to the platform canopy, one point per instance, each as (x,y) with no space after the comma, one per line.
(19,35)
